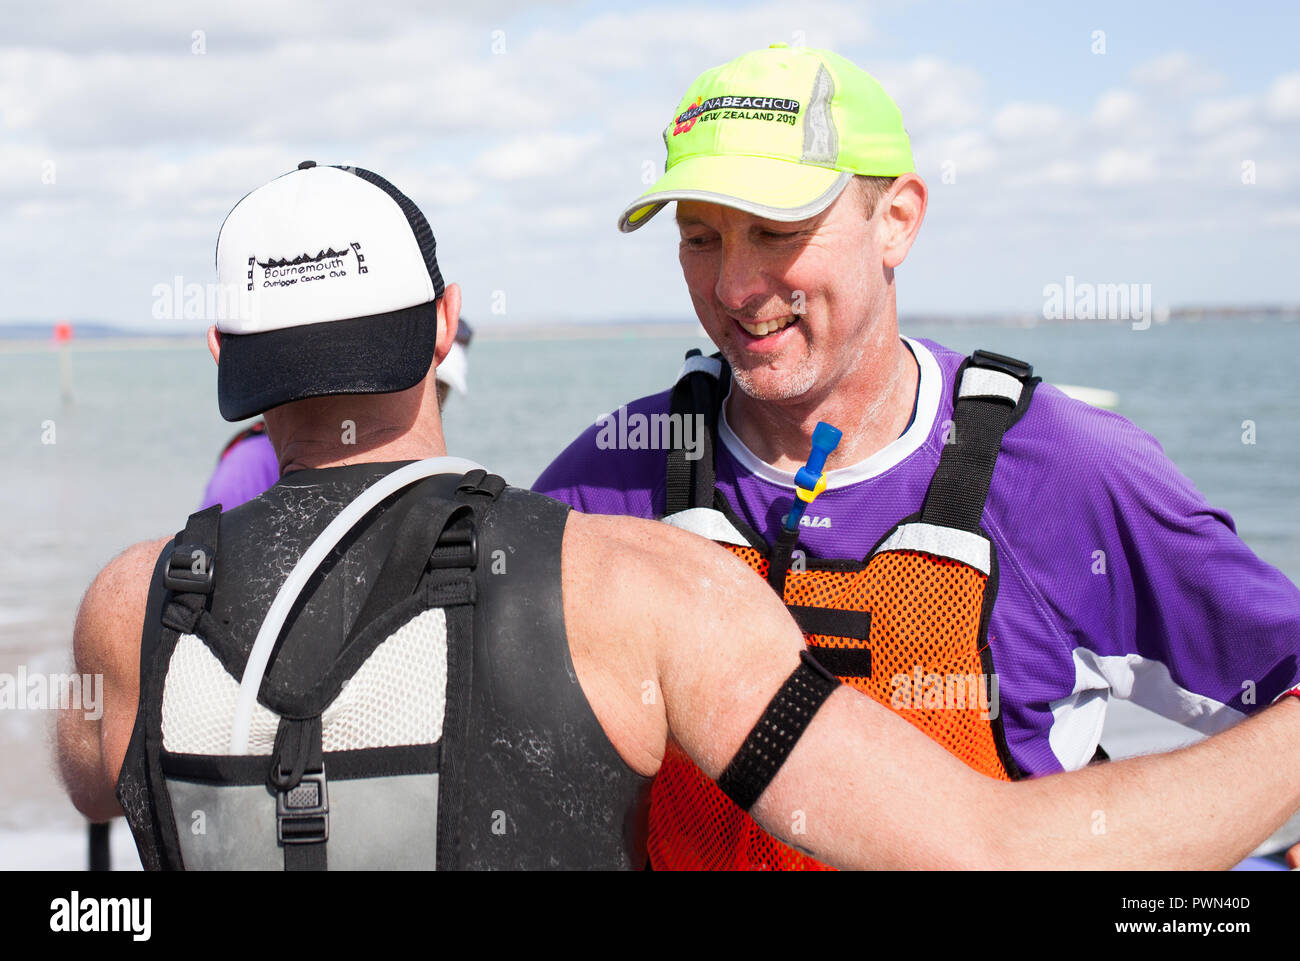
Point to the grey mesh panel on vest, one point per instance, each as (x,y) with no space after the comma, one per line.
(237,822)
(382,822)
(821,141)
(396,697)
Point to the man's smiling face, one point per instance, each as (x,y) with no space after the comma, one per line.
(787,303)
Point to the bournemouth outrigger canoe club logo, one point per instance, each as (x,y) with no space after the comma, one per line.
(327,262)
(736,108)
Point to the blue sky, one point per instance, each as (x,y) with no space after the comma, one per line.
(1121,167)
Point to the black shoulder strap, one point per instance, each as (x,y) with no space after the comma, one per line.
(189,569)
(991,394)
(434,554)
(479,489)
(435,533)
(192,568)
(191,572)
(700,390)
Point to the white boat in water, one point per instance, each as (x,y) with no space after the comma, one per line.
(1096,396)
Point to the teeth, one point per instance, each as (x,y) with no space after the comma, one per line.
(765,327)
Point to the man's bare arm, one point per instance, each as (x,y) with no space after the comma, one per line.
(864,788)
(106,641)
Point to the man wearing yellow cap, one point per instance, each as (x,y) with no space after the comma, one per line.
(943,556)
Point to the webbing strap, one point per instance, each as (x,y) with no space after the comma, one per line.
(772,739)
(832,622)
(843,662)
(778,559)
(434,533)
(297,777)
(193,563)
(699,391)
(960,486)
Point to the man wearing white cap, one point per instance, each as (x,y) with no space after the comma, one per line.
(984,556)
(392,659)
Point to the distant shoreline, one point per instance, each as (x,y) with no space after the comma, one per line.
(24,338)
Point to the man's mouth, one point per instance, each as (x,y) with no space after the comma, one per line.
(762,328)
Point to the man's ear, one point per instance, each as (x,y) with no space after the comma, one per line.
(214,343)
(448,320)
(903,210)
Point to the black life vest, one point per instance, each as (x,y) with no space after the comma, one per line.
(420,709)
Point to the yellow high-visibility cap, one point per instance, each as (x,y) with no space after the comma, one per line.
(777,133)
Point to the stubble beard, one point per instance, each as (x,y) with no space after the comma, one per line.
(789,384)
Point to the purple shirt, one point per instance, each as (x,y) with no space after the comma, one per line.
(246,470)
(1116,577)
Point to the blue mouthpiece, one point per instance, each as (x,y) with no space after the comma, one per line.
(809,480)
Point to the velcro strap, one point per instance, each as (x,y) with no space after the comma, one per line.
(696,361)
(980,382)
(855,625)
(772,739)
(843,661)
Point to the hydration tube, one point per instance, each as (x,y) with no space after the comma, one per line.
(811,477)
(255,669)
(809,481)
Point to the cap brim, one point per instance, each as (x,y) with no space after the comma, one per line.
(762,186)
(379,354)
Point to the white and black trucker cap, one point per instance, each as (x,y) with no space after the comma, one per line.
(337,280)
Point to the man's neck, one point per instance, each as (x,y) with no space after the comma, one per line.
(871,405)
(376,447)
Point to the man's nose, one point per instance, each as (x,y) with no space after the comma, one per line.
(740,276)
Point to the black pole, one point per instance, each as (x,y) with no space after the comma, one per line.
(99,854)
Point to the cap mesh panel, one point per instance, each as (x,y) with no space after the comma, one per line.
(419,225)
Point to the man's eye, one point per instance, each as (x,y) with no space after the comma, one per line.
(782,234)
(695,241)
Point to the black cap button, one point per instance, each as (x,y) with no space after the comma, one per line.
(306,164)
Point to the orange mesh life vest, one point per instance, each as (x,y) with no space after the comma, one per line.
(906,625)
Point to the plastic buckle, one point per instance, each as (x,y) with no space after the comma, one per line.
(1008,365)
(455,551)
(302,813)
(191,569)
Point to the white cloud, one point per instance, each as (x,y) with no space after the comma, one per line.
(1177,73)
(968,151)
(535,156)
(1026,121)
(1122,168)
(932,94)
(1284,97)
(1116,109)
(1211,116)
